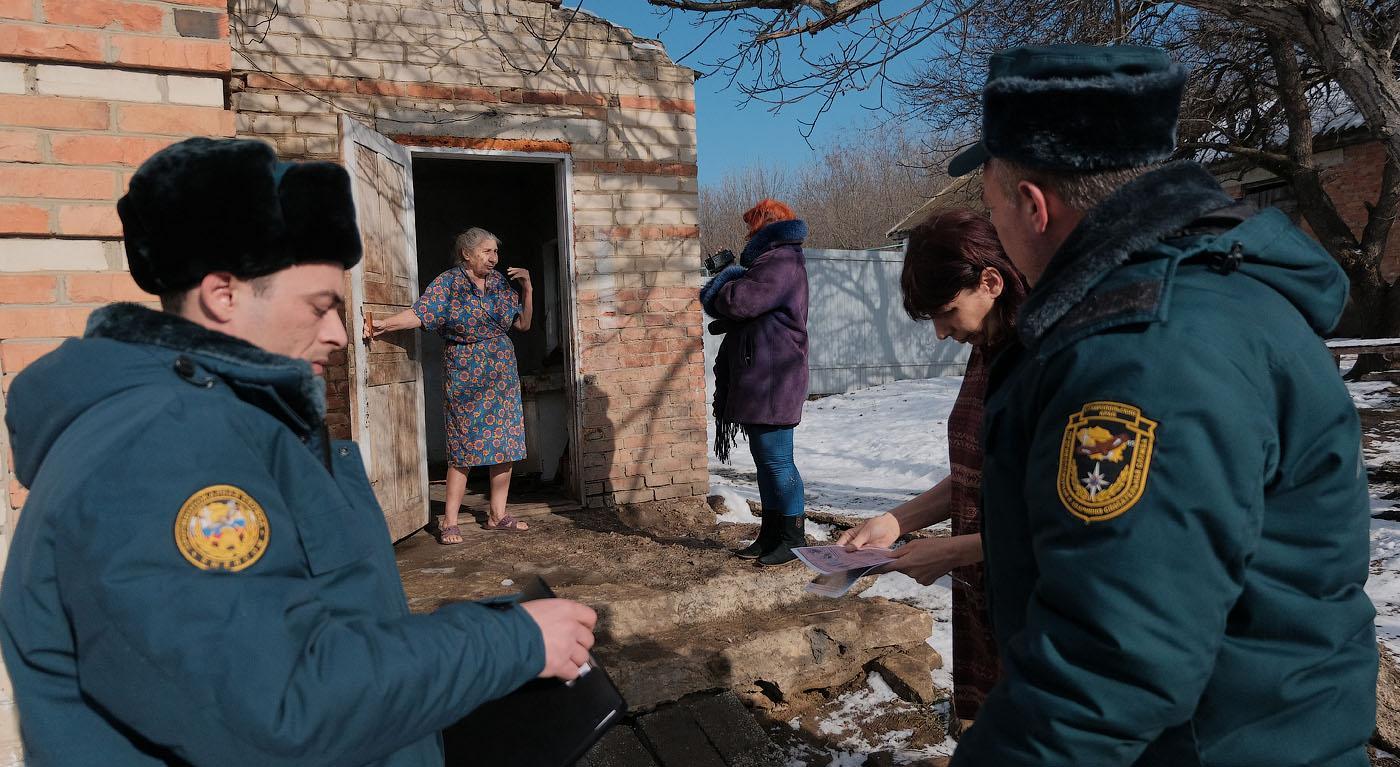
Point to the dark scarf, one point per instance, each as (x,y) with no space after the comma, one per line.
(762,241)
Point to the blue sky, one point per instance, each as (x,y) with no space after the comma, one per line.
(732,134)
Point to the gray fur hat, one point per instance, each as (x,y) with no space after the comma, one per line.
(1077,108)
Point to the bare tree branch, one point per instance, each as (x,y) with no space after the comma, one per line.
(1266,76)
(1280,165)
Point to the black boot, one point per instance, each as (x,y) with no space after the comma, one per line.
(790,536)
(767,537)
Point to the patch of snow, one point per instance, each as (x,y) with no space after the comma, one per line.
(1372,394)
(863,452)
(820,532)
(1384,584)
(736,509)
(860,702)
(843,726)
(1380,454)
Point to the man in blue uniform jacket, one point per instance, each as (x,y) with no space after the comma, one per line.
(200,575)
(1176,516)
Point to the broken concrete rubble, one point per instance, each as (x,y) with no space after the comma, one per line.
(678,614)
(907,673)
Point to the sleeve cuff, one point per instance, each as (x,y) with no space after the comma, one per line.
(711,289)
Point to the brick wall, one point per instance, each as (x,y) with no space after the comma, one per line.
(1354,184)
(88,90)
(1351,175)
(463,74)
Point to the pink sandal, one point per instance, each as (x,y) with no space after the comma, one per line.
(507,523)
(446,531)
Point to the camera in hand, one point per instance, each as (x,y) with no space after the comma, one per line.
(715,262)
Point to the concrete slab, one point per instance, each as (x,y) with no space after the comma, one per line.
(676,738)
(779,652)
(733,730)
(620,747)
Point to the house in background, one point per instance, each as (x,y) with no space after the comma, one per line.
(858,334)
(1351,162)
(564,134)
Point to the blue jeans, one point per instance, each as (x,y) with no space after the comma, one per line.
(779,484)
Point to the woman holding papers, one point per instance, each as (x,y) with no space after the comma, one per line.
(955,274)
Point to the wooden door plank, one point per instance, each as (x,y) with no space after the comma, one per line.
(387,388)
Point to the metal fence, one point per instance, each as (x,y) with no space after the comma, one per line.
(857,332)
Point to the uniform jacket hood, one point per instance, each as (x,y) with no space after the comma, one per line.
(60,387)
(1157,206)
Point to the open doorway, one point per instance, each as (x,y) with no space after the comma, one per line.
(518,202)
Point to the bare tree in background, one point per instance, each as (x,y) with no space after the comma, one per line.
(722,204)
(850,195)
(1266,76)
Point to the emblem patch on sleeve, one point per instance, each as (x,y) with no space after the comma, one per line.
(221,528)
(1104,460)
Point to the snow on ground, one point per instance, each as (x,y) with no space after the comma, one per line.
(1384,583)
(864,452)
(736,509)
(1370,394)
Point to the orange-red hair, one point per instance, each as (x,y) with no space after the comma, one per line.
(766,212)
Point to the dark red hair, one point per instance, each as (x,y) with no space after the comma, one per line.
(946,255)
(767,211)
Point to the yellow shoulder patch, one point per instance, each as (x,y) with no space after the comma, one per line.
(1104,460)
(221,528)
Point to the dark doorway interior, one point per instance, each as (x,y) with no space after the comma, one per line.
(516,201)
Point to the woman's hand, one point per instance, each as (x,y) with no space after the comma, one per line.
(928,559)
(372,327)
(877,532)
(516,273)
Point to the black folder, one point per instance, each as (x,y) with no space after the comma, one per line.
(544,723)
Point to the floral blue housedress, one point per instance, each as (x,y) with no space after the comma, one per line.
(481,383)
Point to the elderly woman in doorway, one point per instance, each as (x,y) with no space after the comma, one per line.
(761,369)
(472,306)
(956,274)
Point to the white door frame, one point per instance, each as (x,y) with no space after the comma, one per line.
(564,196)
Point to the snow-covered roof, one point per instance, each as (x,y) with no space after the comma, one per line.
(1332,114)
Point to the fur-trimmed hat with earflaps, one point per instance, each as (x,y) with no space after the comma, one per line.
(1078,108)
(227,205)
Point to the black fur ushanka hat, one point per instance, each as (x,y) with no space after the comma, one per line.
(210,205)
(1078,108)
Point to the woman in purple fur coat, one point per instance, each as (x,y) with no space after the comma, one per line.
(761,370)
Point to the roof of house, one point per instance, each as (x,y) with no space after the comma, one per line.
(961,192)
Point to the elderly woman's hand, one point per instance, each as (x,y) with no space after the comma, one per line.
(372,328)
(516,273)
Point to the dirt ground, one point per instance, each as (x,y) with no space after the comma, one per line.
(683,589)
